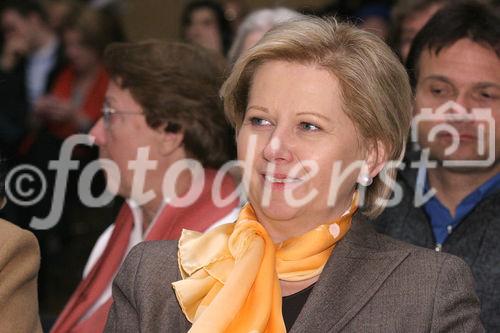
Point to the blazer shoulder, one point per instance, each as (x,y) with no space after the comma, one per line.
(17,242)
(19,264)
(9,230)
(431,258)
(153,253)
(142,291)
(152,260)
(451,286)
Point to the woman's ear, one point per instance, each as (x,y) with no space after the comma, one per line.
(376,158)
(169,141)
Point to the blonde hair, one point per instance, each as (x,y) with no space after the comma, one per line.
(374,85)
(260,20)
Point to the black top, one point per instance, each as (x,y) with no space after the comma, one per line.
(293,304)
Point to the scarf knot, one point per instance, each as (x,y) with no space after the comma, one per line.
(230,275)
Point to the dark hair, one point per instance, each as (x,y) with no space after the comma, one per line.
(380,10)
(466,19)
(222,22)
(402,11)
(26,7)
(177,86)
(3,173)
(94,26)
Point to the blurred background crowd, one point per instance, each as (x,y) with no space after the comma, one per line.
(51,53)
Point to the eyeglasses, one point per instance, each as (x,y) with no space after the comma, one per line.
(108,111)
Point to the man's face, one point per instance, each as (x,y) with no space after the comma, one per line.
(122,135)
(17,28)
(466,73)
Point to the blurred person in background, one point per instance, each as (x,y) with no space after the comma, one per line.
(162,97)
(375,19)
(74,103)
(203,23)
(30,59)
(455,209)
(408,17)
(19,264)
(72,106)
(235,11)
(343,10)
(58,12)
(255,25)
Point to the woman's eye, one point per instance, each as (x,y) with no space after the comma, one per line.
(255,121)
(309,127)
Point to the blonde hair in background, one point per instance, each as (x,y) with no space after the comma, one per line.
(374,85)
(260,20)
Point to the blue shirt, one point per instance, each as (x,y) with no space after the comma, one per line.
(38,69)
(441,220)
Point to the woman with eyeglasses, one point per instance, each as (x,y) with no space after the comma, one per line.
(161,115)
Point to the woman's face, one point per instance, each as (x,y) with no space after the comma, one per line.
(82,57)
(295,114)
(203,30)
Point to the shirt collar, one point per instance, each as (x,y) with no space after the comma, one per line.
(139,220)
(489,187)
(47,51)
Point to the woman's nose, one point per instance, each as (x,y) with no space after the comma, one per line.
(277,148)
(99,132)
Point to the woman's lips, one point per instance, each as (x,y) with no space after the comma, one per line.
(280,181)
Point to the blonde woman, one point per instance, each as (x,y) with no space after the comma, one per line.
(311,99)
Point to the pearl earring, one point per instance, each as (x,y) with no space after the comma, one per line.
(365,180)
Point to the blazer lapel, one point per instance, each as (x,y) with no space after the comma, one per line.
(352,275)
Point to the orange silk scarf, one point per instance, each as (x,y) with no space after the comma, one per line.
(231,274)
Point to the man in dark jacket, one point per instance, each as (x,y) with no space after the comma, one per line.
(449,191)
(30,58)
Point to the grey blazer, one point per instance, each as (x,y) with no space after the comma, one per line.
(371,283)
(476,239)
